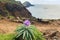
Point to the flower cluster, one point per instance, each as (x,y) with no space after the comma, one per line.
(26,23)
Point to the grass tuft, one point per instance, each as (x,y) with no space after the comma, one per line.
(7,36)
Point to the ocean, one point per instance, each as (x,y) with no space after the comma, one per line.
(45,11)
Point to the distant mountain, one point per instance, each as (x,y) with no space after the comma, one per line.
(27,4)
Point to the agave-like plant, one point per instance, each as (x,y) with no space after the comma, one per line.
(28,32)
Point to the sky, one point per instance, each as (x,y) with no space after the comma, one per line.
(42,1)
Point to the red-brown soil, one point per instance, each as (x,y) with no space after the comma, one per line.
(8,26)
(43,27)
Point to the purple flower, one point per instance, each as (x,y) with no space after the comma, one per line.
(27,22)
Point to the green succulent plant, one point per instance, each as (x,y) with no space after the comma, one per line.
(28,33)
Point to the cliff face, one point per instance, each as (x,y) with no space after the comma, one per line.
(9,9)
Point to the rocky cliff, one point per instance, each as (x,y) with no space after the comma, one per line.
(15,10)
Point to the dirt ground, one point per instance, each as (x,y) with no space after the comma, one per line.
(52,26)
(8,26)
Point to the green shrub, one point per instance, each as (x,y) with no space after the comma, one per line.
(10,1)
(11,17)
(7,36)
(7,0)
(1,16)
(28,33)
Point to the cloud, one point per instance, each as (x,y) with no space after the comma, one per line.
(50,1)
(42,1)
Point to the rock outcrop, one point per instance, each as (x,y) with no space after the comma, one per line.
(52,34)
(27,4)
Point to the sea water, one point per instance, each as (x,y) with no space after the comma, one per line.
(45,11)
